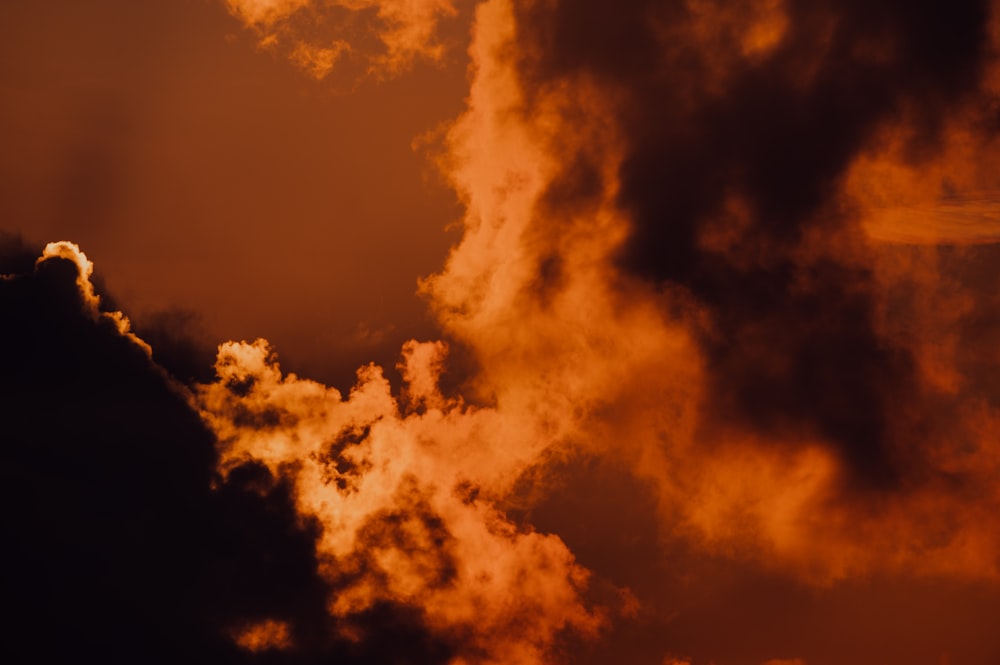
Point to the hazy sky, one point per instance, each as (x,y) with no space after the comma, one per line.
(702,369)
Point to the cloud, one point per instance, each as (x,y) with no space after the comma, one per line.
(405,501)
(264,11)
(663,252)
(730,165)
(961,222)
(382,37)
(179,344)
(264,636)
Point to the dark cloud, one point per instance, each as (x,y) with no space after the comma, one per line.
(979,326)
(16,256)
(121,541)
(738,122)
(180,344)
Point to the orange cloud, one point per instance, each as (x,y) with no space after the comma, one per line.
(318,36)
(406,500)
(790,407)
(946,196)
(535,289)
(915,186)
(264,636)
(264,11)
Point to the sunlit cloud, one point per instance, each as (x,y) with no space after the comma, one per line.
(91,301)
(406,499)
(379,37)
(579,353)
(537,290)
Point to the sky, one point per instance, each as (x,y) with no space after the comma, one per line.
(503,332)
(198,168)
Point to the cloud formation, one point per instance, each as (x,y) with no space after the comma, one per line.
(728,281)
(675,257)
(307,527)
(664,247)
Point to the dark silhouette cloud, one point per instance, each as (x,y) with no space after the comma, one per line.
(180,344)
(122,542)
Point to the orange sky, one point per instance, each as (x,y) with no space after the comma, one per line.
(677,330)
(205,174)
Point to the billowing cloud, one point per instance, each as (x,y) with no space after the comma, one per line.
(406,499)
(663,247)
